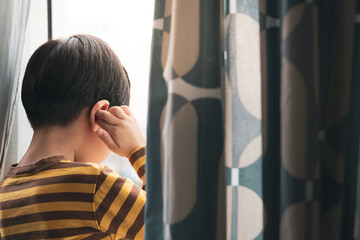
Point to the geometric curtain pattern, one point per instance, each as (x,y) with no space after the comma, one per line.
(185,124)
(310,74)
(254,120)
(243,140)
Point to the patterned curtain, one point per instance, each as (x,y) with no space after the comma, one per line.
(13,19)
(254,120)
(185,125)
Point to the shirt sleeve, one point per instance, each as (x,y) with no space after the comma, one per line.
(119,206)
(137,159)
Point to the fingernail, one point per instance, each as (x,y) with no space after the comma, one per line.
(100,132)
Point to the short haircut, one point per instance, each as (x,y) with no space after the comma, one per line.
(66,75)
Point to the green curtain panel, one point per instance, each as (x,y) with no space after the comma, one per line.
(185,125)
(254,118)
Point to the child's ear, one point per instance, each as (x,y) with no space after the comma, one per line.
(100,105)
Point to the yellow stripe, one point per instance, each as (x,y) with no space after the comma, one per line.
(116,205)
(105,187)
(133,213)
(135,150)
(140,234)
(82,236)
(88,170)
(53,188)
(139,163)
(143,179)
(48,225)
(46,207)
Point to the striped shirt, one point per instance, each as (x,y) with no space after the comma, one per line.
(55,198)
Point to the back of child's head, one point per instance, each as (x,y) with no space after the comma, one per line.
(65,76)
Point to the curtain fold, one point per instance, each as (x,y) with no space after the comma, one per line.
(243,133)
(13,19)
(254,120)
(186,101)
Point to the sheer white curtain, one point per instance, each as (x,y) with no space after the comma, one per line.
(13,20)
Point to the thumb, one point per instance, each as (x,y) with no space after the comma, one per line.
(107,139)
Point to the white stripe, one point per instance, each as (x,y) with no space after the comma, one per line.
(232,6)
(234,176)
(167,232)
(191,92)
(272,22)
(158,24)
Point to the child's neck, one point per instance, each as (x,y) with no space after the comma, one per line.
(48,142)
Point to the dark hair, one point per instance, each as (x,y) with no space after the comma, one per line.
(65,76)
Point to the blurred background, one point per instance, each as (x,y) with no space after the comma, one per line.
(125,25)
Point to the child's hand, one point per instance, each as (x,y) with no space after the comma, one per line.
(120,131)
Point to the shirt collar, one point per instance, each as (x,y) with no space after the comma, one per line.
(36,166)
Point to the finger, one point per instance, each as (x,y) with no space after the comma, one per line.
(107,117)
(108,127)
(107,139)
(126,109)
(118,112)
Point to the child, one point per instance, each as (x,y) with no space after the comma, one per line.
(71,92)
